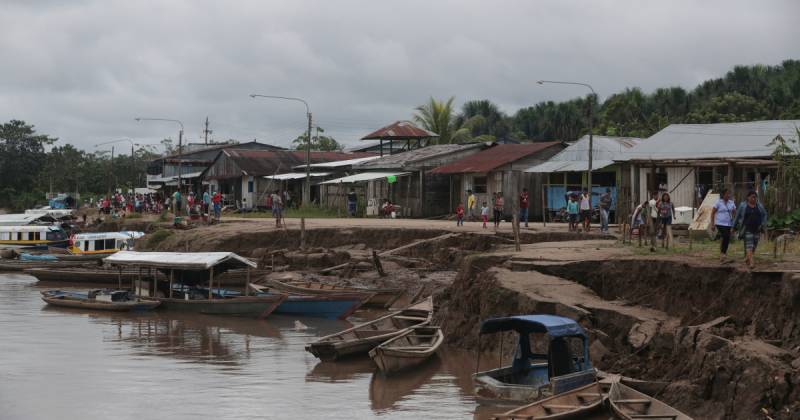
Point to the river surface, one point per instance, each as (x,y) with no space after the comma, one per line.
(58,363)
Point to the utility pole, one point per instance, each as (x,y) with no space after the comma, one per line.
(307,189)
(206,132)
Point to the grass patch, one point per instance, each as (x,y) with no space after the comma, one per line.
(709,249)
(309,212)
(133,216)
(155,238)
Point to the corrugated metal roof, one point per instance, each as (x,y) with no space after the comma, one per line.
(576,157)
(411,157)
(493,157)
(708,141)
(340,163)
(400,130)
(264,162)
(363,177)
(295,175)
(183,260)
(19,219)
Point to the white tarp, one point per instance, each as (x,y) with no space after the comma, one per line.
(179,260)
(363,177)
(295,175)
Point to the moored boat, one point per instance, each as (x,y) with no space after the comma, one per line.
(362,338)
(409,349)
(630,404)
(18,265)
(104,300)
(574,404)
(380,298)
(191,269)
(532,376)
(334,306)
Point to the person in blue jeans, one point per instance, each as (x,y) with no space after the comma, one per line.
(605,208)
(523,207)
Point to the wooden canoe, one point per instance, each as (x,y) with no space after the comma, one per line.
(17,265)
(630,404)
(362,338)
(407,350)
(574,404)
(82,301)
(380,298)
(245,306)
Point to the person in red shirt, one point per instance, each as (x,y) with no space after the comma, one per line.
(523,207)
(460,214)
(217,201)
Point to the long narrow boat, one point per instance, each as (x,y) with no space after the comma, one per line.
(407,350)
(381,298)
(574,404)
(332,306)
(630,404)
(17,265)
(117,300)
(362,338)
(245,306)
(101,275)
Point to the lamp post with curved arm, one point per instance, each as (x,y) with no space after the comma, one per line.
(180,143)
(591,126)
(307,184)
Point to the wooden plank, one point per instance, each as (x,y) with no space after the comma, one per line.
(633,401)
(420,242)
(377,262)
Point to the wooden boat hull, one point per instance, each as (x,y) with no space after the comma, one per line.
(574,404)
(391,359)
(16,265)
(82,275)
(331,307)
(375,298)
(491,388)
(244,306)
(359,340)
(630,404)
(139,304)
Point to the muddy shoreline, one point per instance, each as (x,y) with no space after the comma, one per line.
(727,340)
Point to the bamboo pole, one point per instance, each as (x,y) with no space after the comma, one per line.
(247,284)
(210,282)
(303,233)
(171,281)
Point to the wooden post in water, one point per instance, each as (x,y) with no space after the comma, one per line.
(210,282)
(378,265)
(303,233)
(119,277)
(171,280)
(139,285)
(247,283)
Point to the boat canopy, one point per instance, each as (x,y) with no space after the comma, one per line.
(554,326)
(190,261)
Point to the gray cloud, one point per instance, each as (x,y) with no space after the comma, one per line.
(82,71)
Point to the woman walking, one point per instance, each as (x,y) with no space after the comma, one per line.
(751,220)
(499,205)
(666,211)
(723,215)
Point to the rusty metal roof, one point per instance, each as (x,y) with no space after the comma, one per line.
(493,157)
(412,159)
(400,130)
(270,162)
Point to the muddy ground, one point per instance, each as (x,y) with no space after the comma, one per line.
(727,340)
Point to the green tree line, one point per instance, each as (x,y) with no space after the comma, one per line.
(746,93)
(32,164)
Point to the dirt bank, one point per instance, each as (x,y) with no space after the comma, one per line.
(714,333)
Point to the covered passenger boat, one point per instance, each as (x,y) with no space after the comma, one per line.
(195,272)
(562,363)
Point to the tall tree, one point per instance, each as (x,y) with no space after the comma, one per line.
(318,142)
(22,155)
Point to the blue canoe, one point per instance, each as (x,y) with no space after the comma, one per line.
(333,306)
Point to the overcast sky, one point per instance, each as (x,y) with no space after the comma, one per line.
(82,70)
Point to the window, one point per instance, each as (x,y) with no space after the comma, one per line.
(99,245)
(479,186)
(56,235)
(249,186)
(37,236)
(111,244)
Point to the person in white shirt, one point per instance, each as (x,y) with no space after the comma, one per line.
(586,210)
(652,219)
(723,214)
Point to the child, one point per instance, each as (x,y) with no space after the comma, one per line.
(485,214)
(460,214)
(572,211)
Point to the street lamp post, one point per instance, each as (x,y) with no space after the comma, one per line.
(307,185)
(591,126)
(180,143)
(112,150)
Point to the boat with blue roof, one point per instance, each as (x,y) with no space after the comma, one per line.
(562,365)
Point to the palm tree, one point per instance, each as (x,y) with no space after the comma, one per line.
(437,116)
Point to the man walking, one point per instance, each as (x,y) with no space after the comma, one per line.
(586,210)
(605,208)
(523,207)
(652,218)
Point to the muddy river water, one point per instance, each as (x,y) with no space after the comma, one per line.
(73,364)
